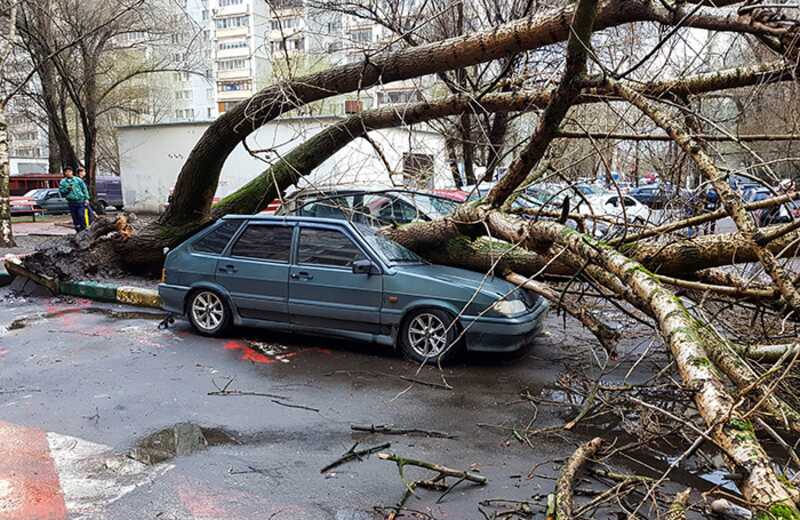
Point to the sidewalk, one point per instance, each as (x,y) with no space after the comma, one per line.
(55,227)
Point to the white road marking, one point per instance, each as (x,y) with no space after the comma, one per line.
(92,476)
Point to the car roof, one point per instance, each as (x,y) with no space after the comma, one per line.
(286,219)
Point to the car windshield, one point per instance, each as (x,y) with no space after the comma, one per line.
(432,207)
(390,250)
(34,194)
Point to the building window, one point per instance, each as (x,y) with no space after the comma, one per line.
(228,65)
(185,114)
(227,105)
(362,36)
(399,96)
(231,22)
(234,86)
(232,44)
(226,3)
(278,24)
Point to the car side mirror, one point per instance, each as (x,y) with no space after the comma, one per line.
(365,267)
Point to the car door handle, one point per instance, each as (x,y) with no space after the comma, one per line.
(301,275)
(228,269)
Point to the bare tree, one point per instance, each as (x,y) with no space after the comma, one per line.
(8,15)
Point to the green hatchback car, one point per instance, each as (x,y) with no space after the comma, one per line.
(334,278)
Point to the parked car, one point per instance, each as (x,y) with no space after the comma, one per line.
(608,205)
(51,201)
(479,191)
(333,277)
(775,215)
(109,192)
(372,206)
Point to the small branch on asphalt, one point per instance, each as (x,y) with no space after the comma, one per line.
(442,386)
(224,391)
(388,430)
(442,470)
(354,454)
(243,393)
(299,406)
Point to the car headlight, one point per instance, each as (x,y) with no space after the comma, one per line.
(509,307)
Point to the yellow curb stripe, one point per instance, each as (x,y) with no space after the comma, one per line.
(138,296)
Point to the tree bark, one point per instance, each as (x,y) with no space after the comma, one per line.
(6,234)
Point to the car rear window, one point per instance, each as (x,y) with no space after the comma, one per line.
(327,247)
(216,241)
(265,243)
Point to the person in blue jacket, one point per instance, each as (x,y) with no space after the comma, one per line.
(77,194)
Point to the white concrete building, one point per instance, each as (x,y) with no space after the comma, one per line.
(240,60)
(151,158)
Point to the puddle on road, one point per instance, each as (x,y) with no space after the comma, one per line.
(179,440)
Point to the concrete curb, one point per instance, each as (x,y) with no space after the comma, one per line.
(97,291)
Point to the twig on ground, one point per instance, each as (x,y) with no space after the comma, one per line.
(300,406)
(442,386)
(389,430)
(353,454)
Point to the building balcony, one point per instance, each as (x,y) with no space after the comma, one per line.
(228,10)
(234,95)
(240,52)
(277,35)
(233,74)
(232,32)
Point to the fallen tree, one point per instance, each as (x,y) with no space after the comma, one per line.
(632,271)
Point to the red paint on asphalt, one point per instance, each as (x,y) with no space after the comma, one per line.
(248,354)
(29,486)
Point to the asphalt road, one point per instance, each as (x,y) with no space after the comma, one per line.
(82,383)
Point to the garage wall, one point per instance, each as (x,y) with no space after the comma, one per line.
(151,157)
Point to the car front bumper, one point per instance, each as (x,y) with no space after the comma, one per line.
(485,334)
(172,297)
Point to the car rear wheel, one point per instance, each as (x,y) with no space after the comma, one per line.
(208,313)
(429,336)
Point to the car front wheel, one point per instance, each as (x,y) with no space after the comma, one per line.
(429,335)
(208,313)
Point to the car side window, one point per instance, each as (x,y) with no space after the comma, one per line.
(629,201)
(263,242)
(327,247)
(215,241)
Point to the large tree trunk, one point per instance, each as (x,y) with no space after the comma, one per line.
(197,182)
(6,235)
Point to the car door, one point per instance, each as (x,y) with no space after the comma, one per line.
(324,293)
(255,271)
(53,202)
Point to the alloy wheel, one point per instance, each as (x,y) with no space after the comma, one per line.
(427,335)
(208,311)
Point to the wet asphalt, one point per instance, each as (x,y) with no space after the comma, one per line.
(109,375)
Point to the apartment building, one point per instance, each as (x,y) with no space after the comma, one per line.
(240,65)
(27,137)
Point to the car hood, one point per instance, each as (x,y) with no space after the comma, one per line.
(471,280)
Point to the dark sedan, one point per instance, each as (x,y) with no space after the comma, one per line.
(336,278)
